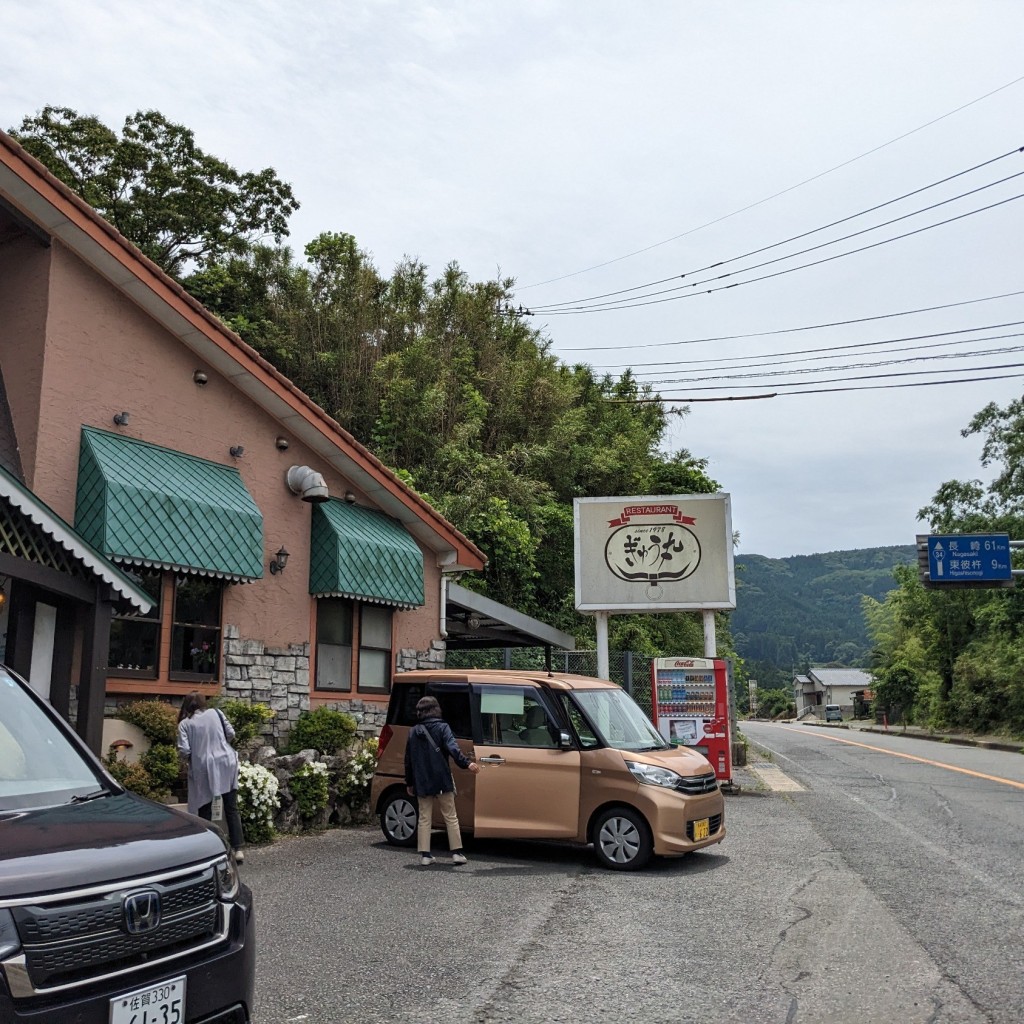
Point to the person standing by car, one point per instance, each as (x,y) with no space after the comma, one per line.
(428,776)
(204,742)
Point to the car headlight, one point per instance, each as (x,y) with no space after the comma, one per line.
(227,878)
(652,775)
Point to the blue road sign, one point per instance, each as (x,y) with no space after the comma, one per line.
(966,558)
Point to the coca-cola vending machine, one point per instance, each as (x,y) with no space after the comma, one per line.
(691,701)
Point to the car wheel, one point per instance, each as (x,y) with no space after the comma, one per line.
(398,819)
(622,839)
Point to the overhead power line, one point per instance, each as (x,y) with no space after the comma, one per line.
(794,330)
(592,299)
(830,349)
(716,374)
(781,192)
(814,391)
(821,390)
(788,270)
(659,378)
(830,380)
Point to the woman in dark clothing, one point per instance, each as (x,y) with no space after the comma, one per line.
(428,776)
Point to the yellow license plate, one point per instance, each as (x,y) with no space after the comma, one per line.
(702,829)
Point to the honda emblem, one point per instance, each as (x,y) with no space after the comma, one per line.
(141,911)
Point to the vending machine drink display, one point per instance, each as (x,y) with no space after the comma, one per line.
(691,707)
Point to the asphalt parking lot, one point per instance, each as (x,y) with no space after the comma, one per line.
(351,929)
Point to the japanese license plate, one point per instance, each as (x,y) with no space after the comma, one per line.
(159,1004)
(701,829)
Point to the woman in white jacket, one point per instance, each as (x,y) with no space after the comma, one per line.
(204,741)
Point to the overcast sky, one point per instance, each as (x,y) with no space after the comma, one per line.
(588,147)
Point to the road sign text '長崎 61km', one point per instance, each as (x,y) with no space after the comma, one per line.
(980,559)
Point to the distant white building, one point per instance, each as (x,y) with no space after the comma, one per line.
(821,686)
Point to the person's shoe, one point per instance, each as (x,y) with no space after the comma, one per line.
(239,857)
(426,860)
(459,858)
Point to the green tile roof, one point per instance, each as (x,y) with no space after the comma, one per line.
(143,504)
(362,554)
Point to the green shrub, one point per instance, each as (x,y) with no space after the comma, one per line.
(164,768)
(323,730)
(130,775)
(246,718)
(157,719)
(309,787)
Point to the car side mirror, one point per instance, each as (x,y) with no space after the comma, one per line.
(565,740)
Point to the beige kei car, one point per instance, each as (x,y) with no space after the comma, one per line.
(561,757)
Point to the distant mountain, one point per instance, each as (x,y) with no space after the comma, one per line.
(806,609)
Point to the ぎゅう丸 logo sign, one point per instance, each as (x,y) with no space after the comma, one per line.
(660,553)
(652,553)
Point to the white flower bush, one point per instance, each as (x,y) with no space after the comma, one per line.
(257,801)
(355,780)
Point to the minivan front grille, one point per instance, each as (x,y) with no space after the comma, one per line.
(84,936)
(696,784)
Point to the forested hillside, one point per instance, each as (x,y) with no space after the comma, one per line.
(807,609)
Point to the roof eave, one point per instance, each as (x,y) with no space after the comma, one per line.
(46,201)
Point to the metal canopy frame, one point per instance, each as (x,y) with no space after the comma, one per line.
(475,622)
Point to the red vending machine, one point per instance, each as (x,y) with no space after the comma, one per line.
(691,699)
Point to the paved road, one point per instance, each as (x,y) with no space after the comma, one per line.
(936,833)
(822,905)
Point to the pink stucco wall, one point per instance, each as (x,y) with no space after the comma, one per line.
(24,278)
(104,355)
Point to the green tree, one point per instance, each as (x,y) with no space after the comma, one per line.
(462,397)
(178,204)
(952,656)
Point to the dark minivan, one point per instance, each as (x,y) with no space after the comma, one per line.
(113,909)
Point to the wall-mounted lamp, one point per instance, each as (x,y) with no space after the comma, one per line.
(200,378)
(282,444)
(121,418)
(237,451)
(350,498)
(473,622)
(279,562)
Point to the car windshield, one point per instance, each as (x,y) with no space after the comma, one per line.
(618,721)
(39,766)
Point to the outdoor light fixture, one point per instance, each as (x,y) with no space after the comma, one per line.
(121,418)
(237,451)
(199,377)
(282,444)
(350,498)
(473,622)
(279,562)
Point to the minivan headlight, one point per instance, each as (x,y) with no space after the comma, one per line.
(652,775)
(227,878)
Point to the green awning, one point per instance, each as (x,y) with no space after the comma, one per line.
(358,553)
(142,504)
